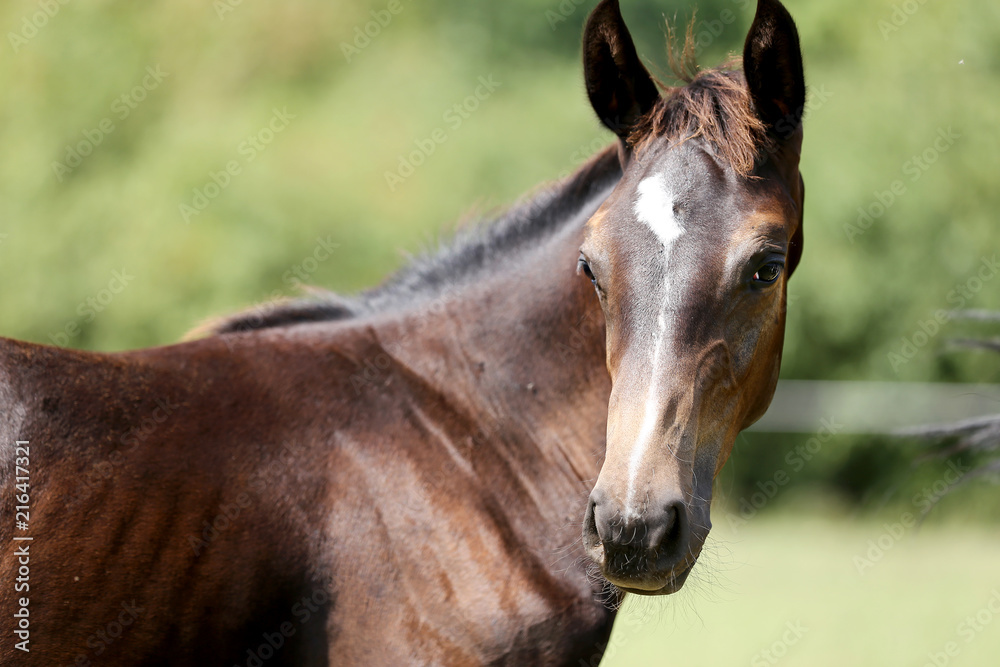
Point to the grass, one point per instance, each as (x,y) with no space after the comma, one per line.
(779,572)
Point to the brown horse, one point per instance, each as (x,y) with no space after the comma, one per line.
(401,477)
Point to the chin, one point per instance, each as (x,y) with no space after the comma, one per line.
(658,584)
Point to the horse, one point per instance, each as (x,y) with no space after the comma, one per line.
(470,464)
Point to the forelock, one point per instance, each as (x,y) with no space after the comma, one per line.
(714,106)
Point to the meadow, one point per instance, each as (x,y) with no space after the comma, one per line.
(811,591)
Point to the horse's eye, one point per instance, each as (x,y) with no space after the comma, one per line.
(582,265)
(768,273)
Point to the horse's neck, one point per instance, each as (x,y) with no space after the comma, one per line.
(520,353)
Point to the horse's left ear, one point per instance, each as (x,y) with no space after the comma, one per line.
(772,63)
(619,87)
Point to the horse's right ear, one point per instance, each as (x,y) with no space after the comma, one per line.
(619,87)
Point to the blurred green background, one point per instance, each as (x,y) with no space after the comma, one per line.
(115,115)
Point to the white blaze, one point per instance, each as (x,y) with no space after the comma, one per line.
(655,209)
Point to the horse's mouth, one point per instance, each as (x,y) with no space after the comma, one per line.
(662,583)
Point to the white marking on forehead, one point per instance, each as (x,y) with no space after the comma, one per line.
(654,208)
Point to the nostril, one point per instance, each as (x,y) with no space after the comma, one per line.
(667,534)
(597,523)
(671,517)
(591,529)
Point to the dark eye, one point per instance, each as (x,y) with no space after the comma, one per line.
(583,266)
(768,273)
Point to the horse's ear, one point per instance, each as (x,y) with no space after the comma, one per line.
(772,63)
(619,87)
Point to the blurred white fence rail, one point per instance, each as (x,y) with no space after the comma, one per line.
(874,407)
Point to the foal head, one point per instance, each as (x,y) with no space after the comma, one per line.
(689,255)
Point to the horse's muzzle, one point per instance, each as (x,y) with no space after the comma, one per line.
(643,553)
